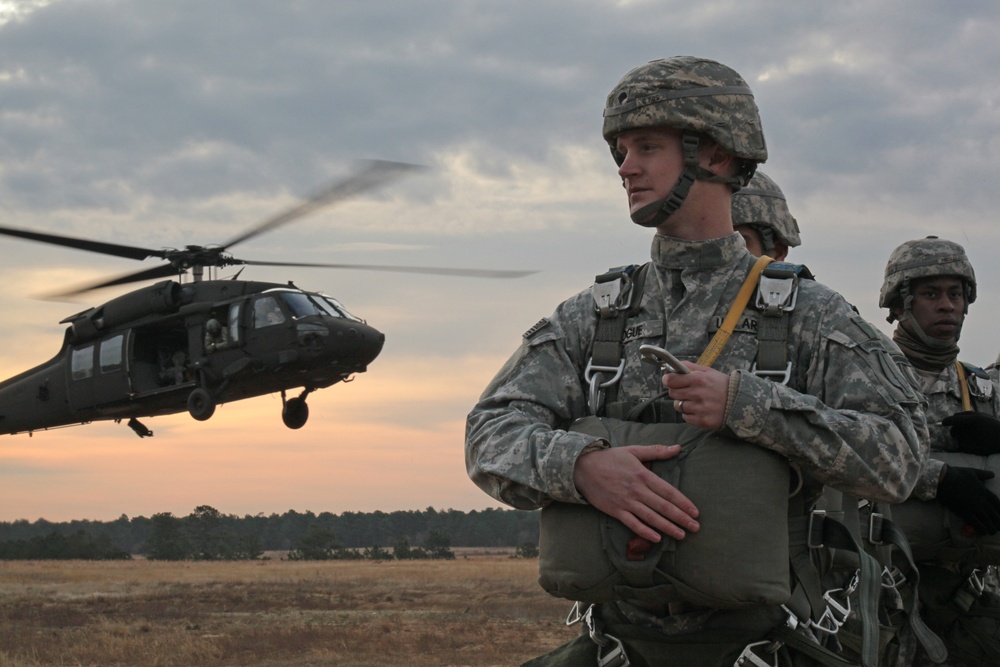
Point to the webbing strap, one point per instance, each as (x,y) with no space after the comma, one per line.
(931,642)
(806,646)
(964,384)
(721,337)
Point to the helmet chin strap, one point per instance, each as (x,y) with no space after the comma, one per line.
(655,214)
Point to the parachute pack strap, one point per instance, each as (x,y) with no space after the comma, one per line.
(933,644)
(963,383)
(795,640)
(718,342)
(825,531)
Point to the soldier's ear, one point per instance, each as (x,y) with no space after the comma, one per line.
(720,162)
(780,250)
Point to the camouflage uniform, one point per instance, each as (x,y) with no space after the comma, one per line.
(942,387)
(846,417)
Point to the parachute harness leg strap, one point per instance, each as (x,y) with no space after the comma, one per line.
(610,650)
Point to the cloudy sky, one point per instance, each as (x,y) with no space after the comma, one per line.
(162,124)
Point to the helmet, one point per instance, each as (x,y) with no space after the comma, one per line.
(700,97)
(924,258)
(762,205)
(688,93)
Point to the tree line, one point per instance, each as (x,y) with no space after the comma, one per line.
(207,534)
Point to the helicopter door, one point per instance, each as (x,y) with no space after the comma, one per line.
(98,373)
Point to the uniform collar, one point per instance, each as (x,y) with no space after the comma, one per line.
(673,253)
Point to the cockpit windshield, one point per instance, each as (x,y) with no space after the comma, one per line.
(302,304)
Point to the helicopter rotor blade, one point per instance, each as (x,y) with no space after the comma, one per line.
(162,271)
(427,270)
(372,174)
(115,249)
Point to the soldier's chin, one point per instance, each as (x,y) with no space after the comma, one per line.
(647,216)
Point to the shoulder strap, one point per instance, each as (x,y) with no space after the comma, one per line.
(776,298)
(617,296)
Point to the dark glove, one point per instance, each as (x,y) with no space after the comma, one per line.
(976,433)
(963,491)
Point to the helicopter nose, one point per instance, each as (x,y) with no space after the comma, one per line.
(357,342)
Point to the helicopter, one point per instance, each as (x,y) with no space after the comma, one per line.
(190,346)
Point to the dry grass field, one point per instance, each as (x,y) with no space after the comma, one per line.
(480,609)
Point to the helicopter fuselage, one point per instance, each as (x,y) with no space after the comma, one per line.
(170,348)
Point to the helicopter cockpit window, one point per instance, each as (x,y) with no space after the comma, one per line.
(300,304)
(111,354)
(267,312)
(330,302)
(82,364)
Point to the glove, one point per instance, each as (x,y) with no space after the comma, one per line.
(976,433)
(964,492)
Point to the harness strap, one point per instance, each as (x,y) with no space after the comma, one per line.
(935,648)
(963,384)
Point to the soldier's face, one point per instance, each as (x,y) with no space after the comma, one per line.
(938,306)
(653,162)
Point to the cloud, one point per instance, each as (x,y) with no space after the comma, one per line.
(166,124)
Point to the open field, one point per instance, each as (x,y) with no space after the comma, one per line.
(480,609)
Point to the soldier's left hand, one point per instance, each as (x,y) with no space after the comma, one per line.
(976,433)
(699,395)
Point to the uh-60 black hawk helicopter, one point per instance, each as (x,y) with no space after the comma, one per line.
(175,346)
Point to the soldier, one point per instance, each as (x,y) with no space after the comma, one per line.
(762,218)
(929,284)
(686,133)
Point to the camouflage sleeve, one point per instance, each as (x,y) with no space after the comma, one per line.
(858,427)
(516,448)
(930,476)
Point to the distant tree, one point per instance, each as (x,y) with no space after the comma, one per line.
(167,540)
(439,546)
(316,543)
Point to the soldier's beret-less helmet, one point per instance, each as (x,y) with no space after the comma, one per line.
(698,96)
(761,204)
(924,258)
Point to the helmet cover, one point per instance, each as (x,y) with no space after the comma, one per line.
(925,258)
(688,93)
(762,204)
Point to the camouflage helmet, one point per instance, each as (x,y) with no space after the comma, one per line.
(924,258)
(761,204)
(688,93)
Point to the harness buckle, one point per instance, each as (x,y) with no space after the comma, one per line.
(594,376)
(785,374)
(976,584)
(777,292)
(892,577)
(616,657)
(611,295)
(750,657)
(875,528)
(574,615)
(814,527)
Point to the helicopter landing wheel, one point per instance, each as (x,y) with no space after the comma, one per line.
(201,405)
(295,413)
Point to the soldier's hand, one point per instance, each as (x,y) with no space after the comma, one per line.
(618,482)
(699,395)
(964,492)
(976,433)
